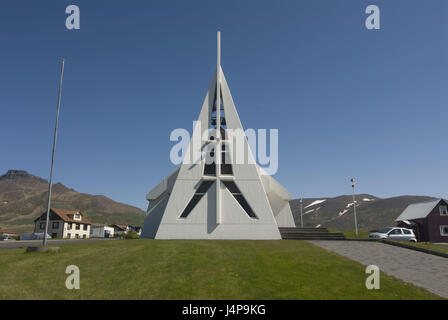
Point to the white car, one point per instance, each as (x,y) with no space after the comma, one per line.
(7,239)
(394,233)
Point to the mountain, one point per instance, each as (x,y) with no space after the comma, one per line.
(23,197)
(337,213)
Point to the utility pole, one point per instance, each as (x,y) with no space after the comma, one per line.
(301,213)
(354,205)
(52,155)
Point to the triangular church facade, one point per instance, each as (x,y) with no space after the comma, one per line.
(215,193)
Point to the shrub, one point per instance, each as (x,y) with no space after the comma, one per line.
(130,235)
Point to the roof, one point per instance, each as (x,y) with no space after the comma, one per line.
(418,210)
(65,215)
(7,231)
(118,226)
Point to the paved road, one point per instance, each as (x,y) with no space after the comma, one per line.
(421,269)
(35,243)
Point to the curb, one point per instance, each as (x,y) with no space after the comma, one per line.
(402,245)
(398,244)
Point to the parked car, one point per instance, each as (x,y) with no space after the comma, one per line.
(33,236)
(393,233)
(7,238)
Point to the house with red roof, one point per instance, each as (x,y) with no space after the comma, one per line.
(120,229)
(7,234)
(65,224)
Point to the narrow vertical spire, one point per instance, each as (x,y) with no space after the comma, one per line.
(218,128)
(218,50)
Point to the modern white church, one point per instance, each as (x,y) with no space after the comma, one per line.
(211,195)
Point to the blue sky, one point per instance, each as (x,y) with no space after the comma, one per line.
(348,102)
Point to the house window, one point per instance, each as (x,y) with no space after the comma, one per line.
(77,226)
(443,211)
(76,236)
(54,235)
(55,225)
(69,235)
(84,236)
(444,231)
(42,225)
(85,227)
(69,226)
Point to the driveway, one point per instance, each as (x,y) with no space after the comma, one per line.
(421,269)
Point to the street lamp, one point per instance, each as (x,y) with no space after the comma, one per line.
(352,180)
(301,213)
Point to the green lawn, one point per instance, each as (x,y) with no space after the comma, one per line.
(172,269)
(350,234)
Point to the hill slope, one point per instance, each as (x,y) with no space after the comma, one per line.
(337,213)
(23,197)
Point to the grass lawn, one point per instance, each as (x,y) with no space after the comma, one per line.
(350,234)
(173,269)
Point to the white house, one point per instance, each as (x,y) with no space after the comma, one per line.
(120,229)
(66,224)
(101,232)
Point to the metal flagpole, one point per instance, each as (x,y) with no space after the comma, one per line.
(52,155)
(301,213)
(218,128)
(354,205)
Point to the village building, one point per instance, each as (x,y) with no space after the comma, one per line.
(119,229)
(101,232)
(64,224)
(8,234)
(136,229)
(428,219)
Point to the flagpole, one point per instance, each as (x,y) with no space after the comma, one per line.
(52,154)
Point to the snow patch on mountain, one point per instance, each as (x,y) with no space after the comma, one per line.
(315,202)
(350,204)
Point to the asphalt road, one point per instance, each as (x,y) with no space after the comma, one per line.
(9,244)
(421,269)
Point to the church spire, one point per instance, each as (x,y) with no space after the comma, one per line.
(218,128)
